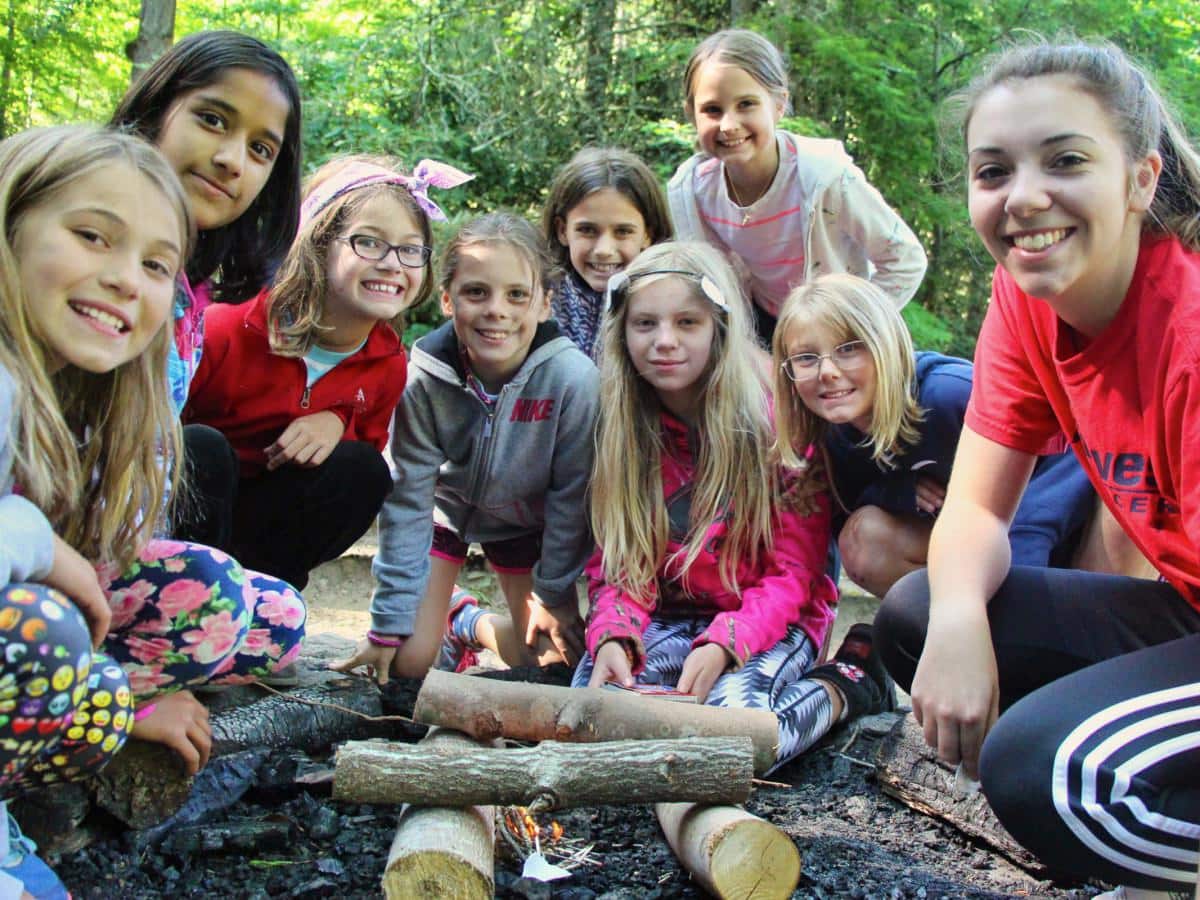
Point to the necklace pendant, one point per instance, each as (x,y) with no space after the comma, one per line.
(745,219)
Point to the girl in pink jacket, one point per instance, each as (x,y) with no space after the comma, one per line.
(709,575)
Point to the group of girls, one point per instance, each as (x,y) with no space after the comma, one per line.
(602,365)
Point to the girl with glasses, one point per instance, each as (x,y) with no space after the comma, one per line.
(709,575)
(302,380)
(890,418)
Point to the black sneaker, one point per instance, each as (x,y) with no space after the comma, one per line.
(858,673)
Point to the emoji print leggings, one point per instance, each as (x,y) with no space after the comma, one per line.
(65,709)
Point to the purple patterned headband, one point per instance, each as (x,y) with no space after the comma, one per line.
(427,174)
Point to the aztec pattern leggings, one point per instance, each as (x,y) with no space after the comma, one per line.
(774,680)
(184,615)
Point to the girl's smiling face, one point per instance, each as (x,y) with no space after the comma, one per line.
(669,333)
(603,233)
(1054,198)
(97,262)
(839,394)
(496,305)
(735,115)
(366,291)
(222,140)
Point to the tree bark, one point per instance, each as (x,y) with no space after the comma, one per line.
(908,769)
(156,31)
(441,851)
(488,709)
(548,776)
(734,855)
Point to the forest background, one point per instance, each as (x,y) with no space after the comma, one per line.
(510,89)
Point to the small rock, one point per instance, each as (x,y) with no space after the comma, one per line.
(327,865)
(318,887)
(324,824)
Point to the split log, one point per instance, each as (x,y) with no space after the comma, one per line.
(488,709)
(908,769)
(548,776)
(443,851)
(306,718)
(734,855)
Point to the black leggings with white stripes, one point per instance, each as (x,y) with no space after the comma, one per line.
(1094,764)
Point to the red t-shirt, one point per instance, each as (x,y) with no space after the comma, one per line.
(1129,401)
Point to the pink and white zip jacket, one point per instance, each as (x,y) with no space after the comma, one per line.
(786,586)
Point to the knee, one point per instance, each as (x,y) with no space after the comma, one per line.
(362,463)
(35,618)
(865,543)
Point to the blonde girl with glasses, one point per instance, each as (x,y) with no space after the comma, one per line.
(709,576)
(847,378)
(302,380)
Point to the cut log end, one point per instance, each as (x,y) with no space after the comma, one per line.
(754,860)
(436,875)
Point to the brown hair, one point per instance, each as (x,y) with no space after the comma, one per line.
(594,169)
(297,299)
(1141,116)
(748,51)
(501,228)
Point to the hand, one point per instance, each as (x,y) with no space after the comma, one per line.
(701,669)
(956,690)
(611,664)
(931,495)
(307,442)
(76,577)
(180,721)
(378,660)
(563,626)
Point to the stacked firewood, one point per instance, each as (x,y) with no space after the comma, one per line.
(693,762)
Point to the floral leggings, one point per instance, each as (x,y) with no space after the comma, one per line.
(184,615)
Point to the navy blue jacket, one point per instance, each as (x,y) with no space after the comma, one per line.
(1055,506)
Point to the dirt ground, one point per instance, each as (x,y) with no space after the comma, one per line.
(855,841)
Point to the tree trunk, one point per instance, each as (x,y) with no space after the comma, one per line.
(599,16)
(908,769)
(441,851)
(548,776)
(156,31)
(488,709)
(733,854)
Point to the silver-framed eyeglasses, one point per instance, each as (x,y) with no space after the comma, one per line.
(848,357)
(374,249)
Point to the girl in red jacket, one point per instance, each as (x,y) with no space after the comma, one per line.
(710,570)
(302,380)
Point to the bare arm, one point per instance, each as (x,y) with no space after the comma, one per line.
(956,690)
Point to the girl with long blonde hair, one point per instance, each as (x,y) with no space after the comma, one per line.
(93,229)
(709,571)
(847,379)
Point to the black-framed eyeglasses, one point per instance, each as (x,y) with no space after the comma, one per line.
(848,357)
(619,285)
(369,247)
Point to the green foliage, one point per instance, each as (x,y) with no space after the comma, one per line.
(510,89)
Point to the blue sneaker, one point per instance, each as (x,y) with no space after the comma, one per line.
(459,650)
(23,864)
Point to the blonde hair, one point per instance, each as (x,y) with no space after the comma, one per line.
(296,302)
(856,310)
(735,478)
(93,451)
(1142,118)
(745,50)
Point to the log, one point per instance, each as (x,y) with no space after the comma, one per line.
(733,854)
(442,851)
(548,776)
(908,769)
(488,709)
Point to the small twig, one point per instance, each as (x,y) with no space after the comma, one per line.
(339,707)
(857,762)
(762,782)
(854,733)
